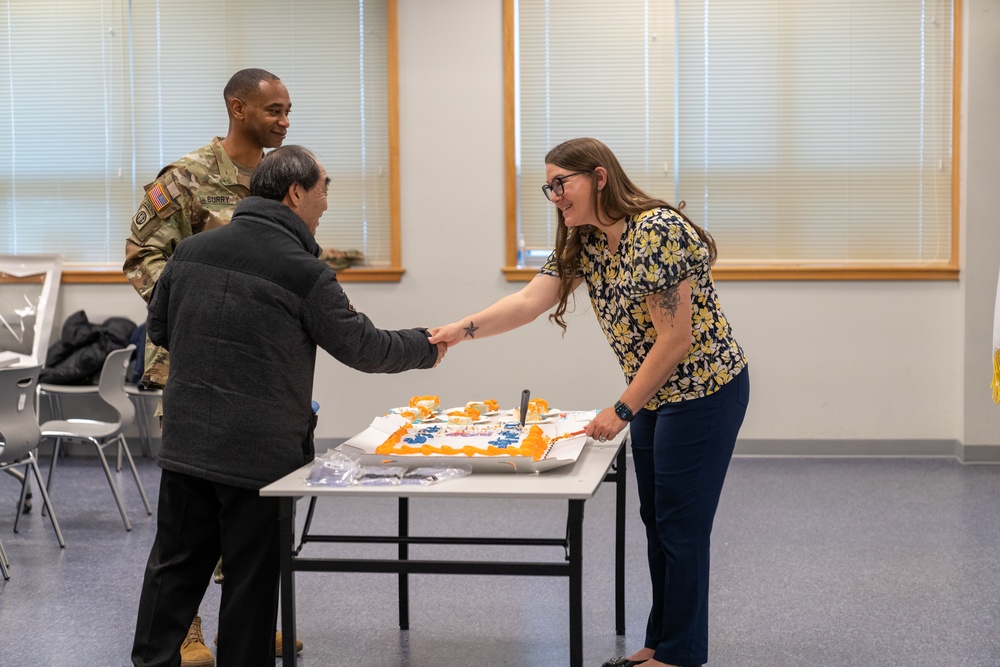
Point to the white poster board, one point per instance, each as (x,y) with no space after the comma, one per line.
(29,286)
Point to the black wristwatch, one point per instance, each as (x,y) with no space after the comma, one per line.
(624,412)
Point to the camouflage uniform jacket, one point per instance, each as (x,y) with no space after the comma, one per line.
(195,193)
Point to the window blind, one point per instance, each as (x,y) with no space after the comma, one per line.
(101,94)
(798,133)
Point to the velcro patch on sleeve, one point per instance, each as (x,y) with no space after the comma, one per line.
(143,215)
(162,198)
(158,196)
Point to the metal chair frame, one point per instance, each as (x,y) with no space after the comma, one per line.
(21,434)
(111,389)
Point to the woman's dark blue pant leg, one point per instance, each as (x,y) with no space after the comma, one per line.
(681,454)
(642,430)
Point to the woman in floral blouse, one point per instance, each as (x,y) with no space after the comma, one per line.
(648,273)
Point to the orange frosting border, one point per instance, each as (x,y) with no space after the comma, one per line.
(535,444)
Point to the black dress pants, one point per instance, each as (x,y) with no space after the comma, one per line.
(197,522)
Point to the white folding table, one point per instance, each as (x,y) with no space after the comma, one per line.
(576,483)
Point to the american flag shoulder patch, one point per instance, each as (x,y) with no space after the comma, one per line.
(158,196)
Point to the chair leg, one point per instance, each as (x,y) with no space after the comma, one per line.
(119,464)
(23,498)
(47,503)
(19,476)
(4,563)
(114,487)
(55,407)
(135,473)
(52,467)
(145,441)
(55,412)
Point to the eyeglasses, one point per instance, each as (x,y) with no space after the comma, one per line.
(556,186)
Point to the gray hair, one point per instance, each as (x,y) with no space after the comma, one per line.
(281,168)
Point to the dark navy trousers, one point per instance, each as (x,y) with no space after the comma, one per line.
(681,454)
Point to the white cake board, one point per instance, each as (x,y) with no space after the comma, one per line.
(561,453)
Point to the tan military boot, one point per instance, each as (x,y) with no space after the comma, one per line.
(277,644)
(194,653)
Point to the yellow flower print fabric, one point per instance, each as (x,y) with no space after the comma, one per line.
(658,249)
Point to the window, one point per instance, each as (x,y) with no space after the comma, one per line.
(813,140)
(100,94)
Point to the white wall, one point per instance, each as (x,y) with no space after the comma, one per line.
(981,203)
(829,360)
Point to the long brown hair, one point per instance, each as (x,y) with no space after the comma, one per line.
(619,197)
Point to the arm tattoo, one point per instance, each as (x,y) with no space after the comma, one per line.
(470,331)
(668,301)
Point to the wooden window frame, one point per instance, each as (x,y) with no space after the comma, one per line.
(78,275)
(747,272)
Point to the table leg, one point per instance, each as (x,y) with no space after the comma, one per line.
(620,541)
(575,538)
(309,519)
(404,554)
(286,520)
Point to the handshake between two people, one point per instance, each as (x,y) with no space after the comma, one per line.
(442,350)
(449,335)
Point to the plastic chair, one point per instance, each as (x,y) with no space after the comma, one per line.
(53,393)
(111,389)
(141,399)
(19,433)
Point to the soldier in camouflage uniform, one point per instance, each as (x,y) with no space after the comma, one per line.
(195,193)
(200,190)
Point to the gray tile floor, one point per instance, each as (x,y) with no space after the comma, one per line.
(815,562)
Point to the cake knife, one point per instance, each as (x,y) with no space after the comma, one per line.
(567,435)
(525,395)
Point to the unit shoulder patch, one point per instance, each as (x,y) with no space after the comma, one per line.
(143,215)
